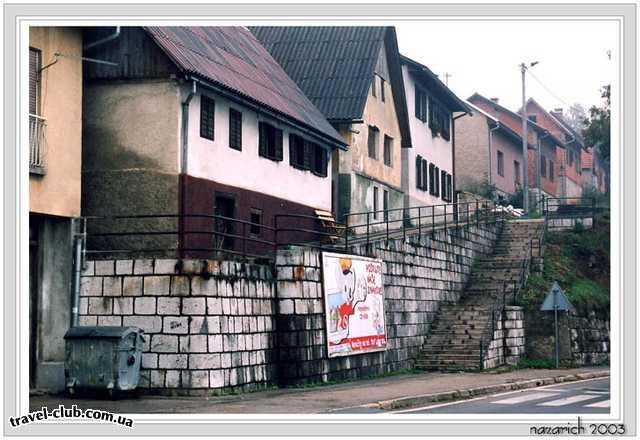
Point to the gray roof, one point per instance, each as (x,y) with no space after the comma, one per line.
(333,65)
(233,58)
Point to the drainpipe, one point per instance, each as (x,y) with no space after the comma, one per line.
(184,151)
(106,39)
(78,235)
(538,157)
(491,130)
(454,194)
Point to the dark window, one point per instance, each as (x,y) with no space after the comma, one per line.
(207,117)
(516,171)
(436,173)
(235,129)
(255,217)
(320,161)
(35,64)
(225,207)
(425,175)
(449,187)
(375,202)
(570,154)
(432,183)
(382,82)
(533,118)
(372,142)
(388,150)
(421,105)
(439,120)
(445,124)
(443,184)
(270,141)
(543,166)
(374,86)
(297,152)
(385,203)
(551,170)
(419,172)
(500,163)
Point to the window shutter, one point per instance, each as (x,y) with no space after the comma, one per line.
(278,141)
(425,175)
(417,104)
(293,159)
(418,172)
(436,181)
(443,180)
(34,79)
(431,114)
(325,162)
(449,187)
(308,155)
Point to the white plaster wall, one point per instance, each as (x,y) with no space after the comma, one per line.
(216,161)
(435,150)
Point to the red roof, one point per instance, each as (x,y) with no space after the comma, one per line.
(587,159)
(234,59)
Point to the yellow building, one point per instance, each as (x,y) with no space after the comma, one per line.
(55,155)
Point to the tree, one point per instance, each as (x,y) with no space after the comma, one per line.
(576,116)
(597,132)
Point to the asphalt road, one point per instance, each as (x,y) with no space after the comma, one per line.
(583,397)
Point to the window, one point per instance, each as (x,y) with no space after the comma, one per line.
(373,86)
(375,202)
(207,117)
(500,163)
(543,166)
(382,82)
(297,152)
(516,172)
(436,173)
(439,120)
(270,141)
(425,175)
(319,160)
(551,170)
(419,172)
(533,118)
(421,105)
(385,204)
(449,187)
(443,184)
(570,157)
(372,142)
(255,217)
(432,184)
(235,129)
(35,64)
(388,150)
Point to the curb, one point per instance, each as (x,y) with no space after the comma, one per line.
(449,396)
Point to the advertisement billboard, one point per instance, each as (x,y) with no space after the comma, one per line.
(354,304)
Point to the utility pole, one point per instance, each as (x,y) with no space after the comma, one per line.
(447,75)
(525,142)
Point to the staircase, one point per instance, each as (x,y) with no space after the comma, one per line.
(454,343)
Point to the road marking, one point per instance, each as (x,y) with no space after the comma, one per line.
(524,398)
(601,404)
(437,405)
(568,400)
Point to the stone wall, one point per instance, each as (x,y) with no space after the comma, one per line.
(559,224)
(208,324)
(584,340)
(508,343)
(418,276)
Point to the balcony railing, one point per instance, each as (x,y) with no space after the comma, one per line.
(37,127)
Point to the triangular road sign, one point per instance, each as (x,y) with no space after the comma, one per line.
(556,298)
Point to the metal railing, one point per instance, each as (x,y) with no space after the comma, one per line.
(37,127)
(567,207)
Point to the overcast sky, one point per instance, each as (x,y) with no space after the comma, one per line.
(483,57)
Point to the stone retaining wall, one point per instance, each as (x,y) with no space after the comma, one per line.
(508,343)
(208,324)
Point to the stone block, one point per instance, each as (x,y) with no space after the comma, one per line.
(213,324)
(83,306)
(215,343)
(100,306)
(172,378)
(202,287)
(180,285)
(164,344)
(132,286)
(172,361)
(168,306)
(193,344)
(150,324)
(214,306)
(195,379)
(105,267)
(88,269)
(143,267)
(175,325)
(145,306)
(88,320)
(124,267)
(165,266)
(204,361)
(91,286)
(216,379)
(157,285)
(193,306)
(110,320)
(122,306)
(285,307)
(149,360)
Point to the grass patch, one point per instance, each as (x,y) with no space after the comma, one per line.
(342,381)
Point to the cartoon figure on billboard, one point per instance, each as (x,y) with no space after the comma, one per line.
(343,302)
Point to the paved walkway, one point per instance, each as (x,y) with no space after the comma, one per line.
(393,391)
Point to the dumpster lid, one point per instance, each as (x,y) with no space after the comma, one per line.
(100,331)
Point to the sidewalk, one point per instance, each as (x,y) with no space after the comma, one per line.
(384,393)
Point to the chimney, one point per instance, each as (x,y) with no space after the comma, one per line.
(558,110)
(496,100)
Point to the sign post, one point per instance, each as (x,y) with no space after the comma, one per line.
(556,300)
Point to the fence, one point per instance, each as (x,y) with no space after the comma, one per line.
(37,126)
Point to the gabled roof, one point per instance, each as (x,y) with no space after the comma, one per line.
(231,57)
(435,85)
(560,118)
(533,125)
(335,65)
(504,129)
(559,121)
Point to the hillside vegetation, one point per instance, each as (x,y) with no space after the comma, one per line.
(579,260)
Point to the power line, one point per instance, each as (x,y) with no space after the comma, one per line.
(548,89)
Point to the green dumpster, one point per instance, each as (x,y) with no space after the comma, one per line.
(103,357)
